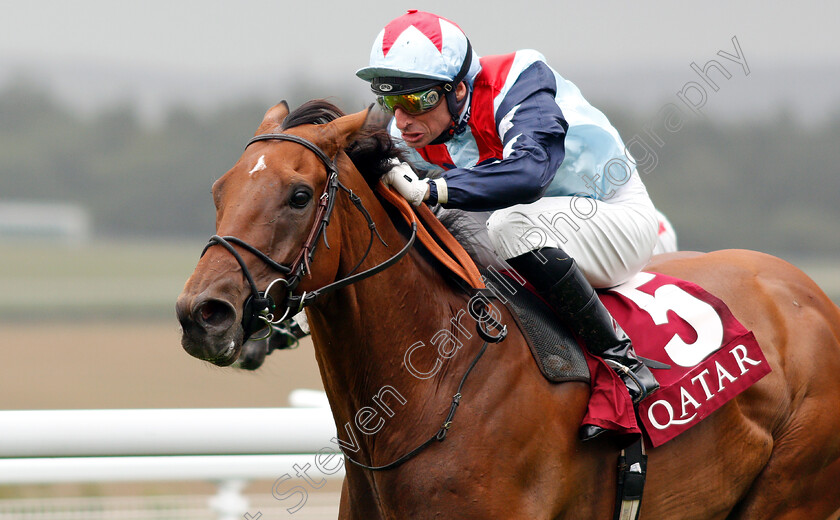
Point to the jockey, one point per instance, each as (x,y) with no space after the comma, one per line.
(508,134)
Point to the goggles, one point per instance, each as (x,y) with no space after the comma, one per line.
(413,104)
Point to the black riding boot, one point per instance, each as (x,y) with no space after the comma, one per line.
(558,279)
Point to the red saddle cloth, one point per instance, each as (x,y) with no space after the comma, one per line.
(712,356)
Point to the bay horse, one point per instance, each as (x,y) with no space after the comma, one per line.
(513,450)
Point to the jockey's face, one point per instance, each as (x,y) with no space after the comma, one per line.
(420,130)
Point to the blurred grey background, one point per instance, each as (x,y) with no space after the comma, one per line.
(116,117)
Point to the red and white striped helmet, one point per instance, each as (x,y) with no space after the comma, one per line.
(417,47)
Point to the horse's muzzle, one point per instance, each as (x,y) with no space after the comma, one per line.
(209,329)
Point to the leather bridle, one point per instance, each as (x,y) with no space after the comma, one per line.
(259,308)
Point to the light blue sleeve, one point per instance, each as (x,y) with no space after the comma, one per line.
(592,146)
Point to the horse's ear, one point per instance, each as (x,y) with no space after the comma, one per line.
(342,130)
(273,118)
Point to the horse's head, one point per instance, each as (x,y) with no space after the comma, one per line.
(268,209)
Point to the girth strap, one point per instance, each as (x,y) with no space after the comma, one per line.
(632,470)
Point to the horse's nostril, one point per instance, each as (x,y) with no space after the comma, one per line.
(208,311)
(215,314)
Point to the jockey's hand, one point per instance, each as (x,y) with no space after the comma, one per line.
(405,181)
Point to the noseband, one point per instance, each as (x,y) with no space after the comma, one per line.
(259,308)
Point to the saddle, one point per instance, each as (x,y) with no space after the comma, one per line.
(709,355)
(459,240)
(555,349)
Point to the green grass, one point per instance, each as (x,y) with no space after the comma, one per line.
(100,279)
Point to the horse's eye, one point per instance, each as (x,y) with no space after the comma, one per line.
(300,199)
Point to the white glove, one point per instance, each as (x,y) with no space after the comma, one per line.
(405,181)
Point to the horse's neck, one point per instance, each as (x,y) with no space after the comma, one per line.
(362,332)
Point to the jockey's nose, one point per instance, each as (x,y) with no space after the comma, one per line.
(402,118)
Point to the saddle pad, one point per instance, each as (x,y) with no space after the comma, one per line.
(713,357)
(557,353)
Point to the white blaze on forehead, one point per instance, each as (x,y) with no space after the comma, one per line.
(259,166)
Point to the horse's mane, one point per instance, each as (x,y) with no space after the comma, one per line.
(372,148)
(315,112)
(371,152)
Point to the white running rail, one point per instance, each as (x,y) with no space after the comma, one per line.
(226,445)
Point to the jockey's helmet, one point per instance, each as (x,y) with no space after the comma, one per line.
(417,52)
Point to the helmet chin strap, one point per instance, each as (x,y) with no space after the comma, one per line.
(452,102)
(455,108)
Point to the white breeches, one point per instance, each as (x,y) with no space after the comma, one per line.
(667,242)
(610,241)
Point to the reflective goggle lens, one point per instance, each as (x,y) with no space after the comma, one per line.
(414,103)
